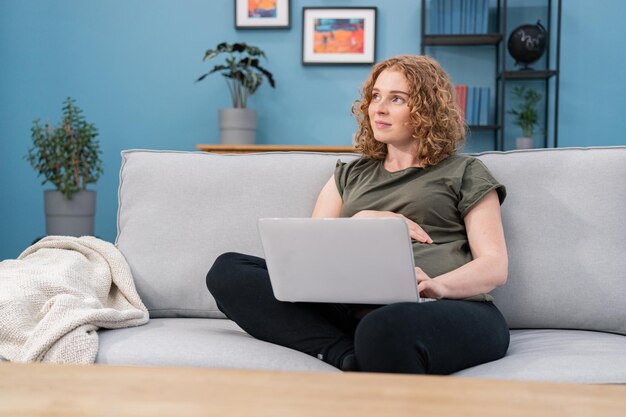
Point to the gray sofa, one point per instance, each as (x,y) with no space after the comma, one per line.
(565,300)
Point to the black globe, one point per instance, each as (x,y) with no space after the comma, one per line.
(527,43)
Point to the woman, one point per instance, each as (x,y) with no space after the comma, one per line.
(409,129)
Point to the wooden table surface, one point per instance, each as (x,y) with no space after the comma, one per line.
(103,390)
(272,148)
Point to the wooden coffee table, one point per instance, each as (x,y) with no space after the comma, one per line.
(102,390)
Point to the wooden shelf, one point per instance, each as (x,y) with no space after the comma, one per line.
(483,127)
(459,40)
(528,74)
(215,148)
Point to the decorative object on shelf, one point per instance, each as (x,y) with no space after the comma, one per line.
(244,76)
(526,115)
(338,35)
(527,43)
(68,156)
(262,14)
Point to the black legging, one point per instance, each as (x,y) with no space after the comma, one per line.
(438,337)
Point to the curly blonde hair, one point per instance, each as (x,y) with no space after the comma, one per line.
(438,125)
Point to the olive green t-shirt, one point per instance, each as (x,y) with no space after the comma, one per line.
(437,198)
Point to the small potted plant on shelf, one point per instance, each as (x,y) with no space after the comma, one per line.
(68,157)
(244,76)
(526,115)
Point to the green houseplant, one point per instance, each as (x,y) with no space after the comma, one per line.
(244,76)
(68,157)
(526,115)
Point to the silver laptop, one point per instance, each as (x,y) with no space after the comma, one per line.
(339,260)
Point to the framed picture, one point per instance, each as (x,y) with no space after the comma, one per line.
(338,35)
(262,14)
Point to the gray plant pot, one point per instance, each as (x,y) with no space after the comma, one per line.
(524,143)
(237,126)
(73,217)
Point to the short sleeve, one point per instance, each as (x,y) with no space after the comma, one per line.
(341,176)
(476,183)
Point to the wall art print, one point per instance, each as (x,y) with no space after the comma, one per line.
(262,14)
(338,35)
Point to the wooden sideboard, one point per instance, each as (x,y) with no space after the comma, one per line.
(272,148)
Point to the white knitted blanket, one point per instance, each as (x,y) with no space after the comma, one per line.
(56,295)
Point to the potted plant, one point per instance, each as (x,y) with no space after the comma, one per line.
(526,116)
(244,76)
(68,157)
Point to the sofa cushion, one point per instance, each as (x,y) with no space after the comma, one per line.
(209,343)
(564,221)
(559,356)
(178,211)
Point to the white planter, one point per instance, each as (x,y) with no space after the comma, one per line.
(524,143)
(237,126)
(73,217)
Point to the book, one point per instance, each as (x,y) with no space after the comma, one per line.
(469,102)
(477,18)
(456,16)
(476,105)
(447,17)
(461,99)
(470,19)
(483,113)
(435,12)
(484,17)
(463,12)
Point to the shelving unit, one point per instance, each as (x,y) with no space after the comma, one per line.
(461,40)
(504,74)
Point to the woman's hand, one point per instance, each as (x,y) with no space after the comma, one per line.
(415,231)
(428,287)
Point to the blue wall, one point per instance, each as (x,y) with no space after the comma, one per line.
(131,65)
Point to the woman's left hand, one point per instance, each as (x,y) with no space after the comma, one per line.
(428,287)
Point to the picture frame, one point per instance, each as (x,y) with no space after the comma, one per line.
(262,14)
(338,35)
